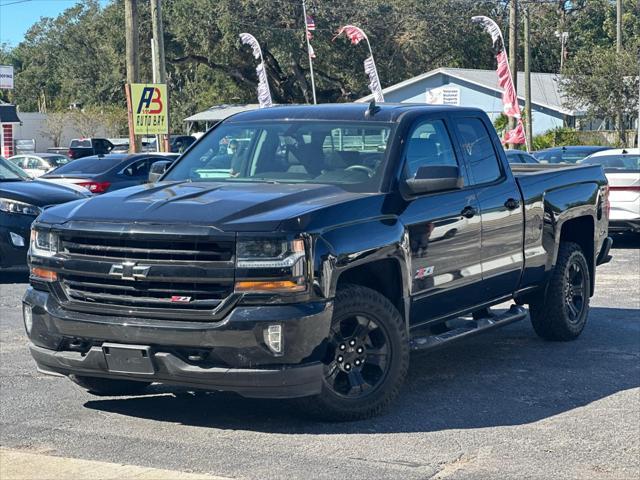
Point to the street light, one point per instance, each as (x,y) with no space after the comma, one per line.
(563,36)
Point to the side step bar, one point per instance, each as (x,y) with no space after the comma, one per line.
(466,328)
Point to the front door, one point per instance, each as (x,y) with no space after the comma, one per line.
(444,231)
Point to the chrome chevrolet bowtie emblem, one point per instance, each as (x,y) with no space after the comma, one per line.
(129,270)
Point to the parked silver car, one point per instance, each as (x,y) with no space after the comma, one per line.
(622,168)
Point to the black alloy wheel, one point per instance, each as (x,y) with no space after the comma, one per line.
(358,356)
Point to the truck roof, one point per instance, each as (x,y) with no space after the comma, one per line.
(388,112)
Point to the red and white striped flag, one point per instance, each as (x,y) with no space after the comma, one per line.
(311,24)
(353,33)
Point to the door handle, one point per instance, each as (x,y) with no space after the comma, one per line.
(468,212)
(512,204)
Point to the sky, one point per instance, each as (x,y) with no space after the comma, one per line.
(16,16)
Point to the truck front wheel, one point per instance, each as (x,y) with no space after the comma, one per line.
(561,312)
(367,357)
(109,386)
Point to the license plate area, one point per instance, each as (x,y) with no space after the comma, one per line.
(128,358)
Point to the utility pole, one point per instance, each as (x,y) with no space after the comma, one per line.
(527,79)
(513,52)
(619,118)
(159,68)
(132,62)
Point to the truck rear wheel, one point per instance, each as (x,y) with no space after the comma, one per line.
(561,312)
(367,357)
(109,386)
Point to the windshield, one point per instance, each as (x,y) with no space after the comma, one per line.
(337,153)
(57,160)
(88,165)
(80,143)
(617,163)
(565,156)
(9,171)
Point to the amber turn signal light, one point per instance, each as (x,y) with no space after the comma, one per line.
(279,285)
(44,274)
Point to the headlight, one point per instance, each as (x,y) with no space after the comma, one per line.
(43,243)
(14,206)
(271,265)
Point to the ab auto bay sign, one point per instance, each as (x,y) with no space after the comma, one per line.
(150,108)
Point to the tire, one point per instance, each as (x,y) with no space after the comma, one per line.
(367,358)
(109,386)
(560,314)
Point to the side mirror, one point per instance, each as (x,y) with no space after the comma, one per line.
(436,178)
(157,169)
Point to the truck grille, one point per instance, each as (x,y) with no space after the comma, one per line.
(151,276)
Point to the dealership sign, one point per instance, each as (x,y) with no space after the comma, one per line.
(150,108)
(6,76)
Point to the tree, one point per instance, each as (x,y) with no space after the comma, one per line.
(55,124)
(89,122)
(603,83)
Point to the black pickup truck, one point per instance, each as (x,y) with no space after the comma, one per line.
(335,240)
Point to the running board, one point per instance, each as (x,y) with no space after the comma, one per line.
(466,328)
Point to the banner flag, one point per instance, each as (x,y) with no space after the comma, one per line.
(510,105)
(264,94)
(356,35)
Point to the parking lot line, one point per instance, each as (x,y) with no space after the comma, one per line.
(20,465)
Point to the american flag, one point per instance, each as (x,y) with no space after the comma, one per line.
(311,24)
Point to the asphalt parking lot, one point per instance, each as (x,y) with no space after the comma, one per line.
(500,405)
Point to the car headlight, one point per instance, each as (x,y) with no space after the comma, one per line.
(44,243)
(271,265)
(14,206)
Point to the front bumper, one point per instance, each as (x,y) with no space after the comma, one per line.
(233,351)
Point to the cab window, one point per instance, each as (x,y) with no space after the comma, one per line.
(477,150)
(429,144)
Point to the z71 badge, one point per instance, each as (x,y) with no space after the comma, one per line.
(423,272)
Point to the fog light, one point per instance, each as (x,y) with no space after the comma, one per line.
(28,318)
(273,338)
(17,240)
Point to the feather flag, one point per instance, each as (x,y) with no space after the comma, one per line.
(264,94)
(353,33)
(515,136)
(510,105)
(356,35)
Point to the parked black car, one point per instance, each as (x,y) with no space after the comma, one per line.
(85,147)
(518,156)
(102,173)
(336,240)
(21,201)
(568,154)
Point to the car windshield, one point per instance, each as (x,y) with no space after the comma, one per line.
(565,156)
(57,160)
(615,163)
(88,165)
(80,143)
(11,172)
(351,154)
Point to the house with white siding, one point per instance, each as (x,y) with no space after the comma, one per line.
(479,88)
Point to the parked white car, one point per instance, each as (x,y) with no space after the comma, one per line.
(622,168)
(37,164)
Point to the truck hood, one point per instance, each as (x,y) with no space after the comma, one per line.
(225,206)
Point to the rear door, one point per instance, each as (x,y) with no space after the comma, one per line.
(135,173)
(500,206)
(444,230)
